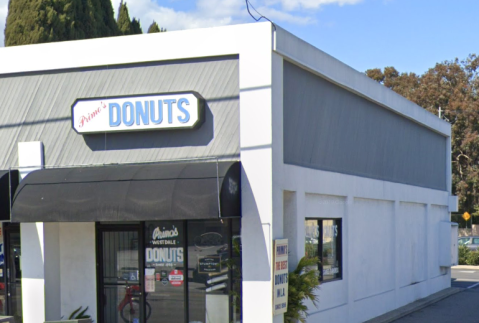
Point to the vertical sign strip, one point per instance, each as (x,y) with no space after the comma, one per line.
(280,282)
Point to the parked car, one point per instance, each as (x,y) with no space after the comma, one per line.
(472,242)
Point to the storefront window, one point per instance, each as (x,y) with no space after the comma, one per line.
(323,240)
(209,282)
(170,271)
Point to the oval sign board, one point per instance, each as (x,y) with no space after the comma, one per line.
(139,112)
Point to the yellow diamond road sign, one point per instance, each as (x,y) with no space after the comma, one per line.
(466,216)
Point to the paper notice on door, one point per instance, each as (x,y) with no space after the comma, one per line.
(149,280)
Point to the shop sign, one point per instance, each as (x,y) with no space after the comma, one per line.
(209,264)
(135,113)
(280,283)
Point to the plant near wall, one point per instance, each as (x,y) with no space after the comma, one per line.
(234,265)
(302,283)
(463,254)
(473,258)
(76,314)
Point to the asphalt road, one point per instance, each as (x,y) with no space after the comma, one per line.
(464,277)
(462,307)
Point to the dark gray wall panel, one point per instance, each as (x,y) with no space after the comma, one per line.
(37,107)
(329,128)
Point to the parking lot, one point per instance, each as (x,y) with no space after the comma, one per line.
(461,307)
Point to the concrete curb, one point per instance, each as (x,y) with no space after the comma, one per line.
(415,306)
(465,267)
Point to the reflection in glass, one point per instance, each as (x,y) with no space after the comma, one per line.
(323,240)
(311,238)
(208,271)
(329,257)
(14,276)
(165,271)
(121,276)
(236,271)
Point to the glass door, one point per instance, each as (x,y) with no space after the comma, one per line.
(121,278)
(13,267)
(165,273)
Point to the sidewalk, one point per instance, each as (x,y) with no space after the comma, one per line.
(416,306)
(465,267)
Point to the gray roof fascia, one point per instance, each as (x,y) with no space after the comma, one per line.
(300,52)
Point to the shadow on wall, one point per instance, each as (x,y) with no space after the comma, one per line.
(201,136)
(257,266)
(32,254)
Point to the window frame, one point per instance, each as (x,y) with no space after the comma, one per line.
(339,247)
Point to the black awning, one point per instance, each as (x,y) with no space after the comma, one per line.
(8,185)
(130,193)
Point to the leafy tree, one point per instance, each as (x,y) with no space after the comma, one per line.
(452,86)
(154,28)
(41,21)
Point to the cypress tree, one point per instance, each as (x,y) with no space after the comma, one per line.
(154,28)
(124,23)
(34,21)
(136,27)
(42,21)
(108,26)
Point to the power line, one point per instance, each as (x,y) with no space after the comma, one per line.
(248,4)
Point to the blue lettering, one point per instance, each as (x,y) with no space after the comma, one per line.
(112,108)
(160,112)
(142,113)
(281,279)
(132,113)
(170,109)
(182,109)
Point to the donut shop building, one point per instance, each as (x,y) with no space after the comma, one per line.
(148,177)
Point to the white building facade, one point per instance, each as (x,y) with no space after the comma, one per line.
(327,158)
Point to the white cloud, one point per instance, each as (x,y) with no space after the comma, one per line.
(3,18)
(291,5)
(209,13)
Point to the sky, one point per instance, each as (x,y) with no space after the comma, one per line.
(411,35)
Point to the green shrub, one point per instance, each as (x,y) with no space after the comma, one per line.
(473,258)
(76,314)
(302,283)
(463,254)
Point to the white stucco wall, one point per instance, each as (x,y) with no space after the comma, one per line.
(33,273)
(390,249)
(78,267)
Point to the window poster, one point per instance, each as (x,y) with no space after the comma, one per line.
(165,273)
(164,245)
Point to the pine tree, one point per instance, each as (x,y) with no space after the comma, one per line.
(124,23)
(155,29)
(41,21)
(136,27)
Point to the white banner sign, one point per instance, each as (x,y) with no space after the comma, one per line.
(134,113)
(280,283)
